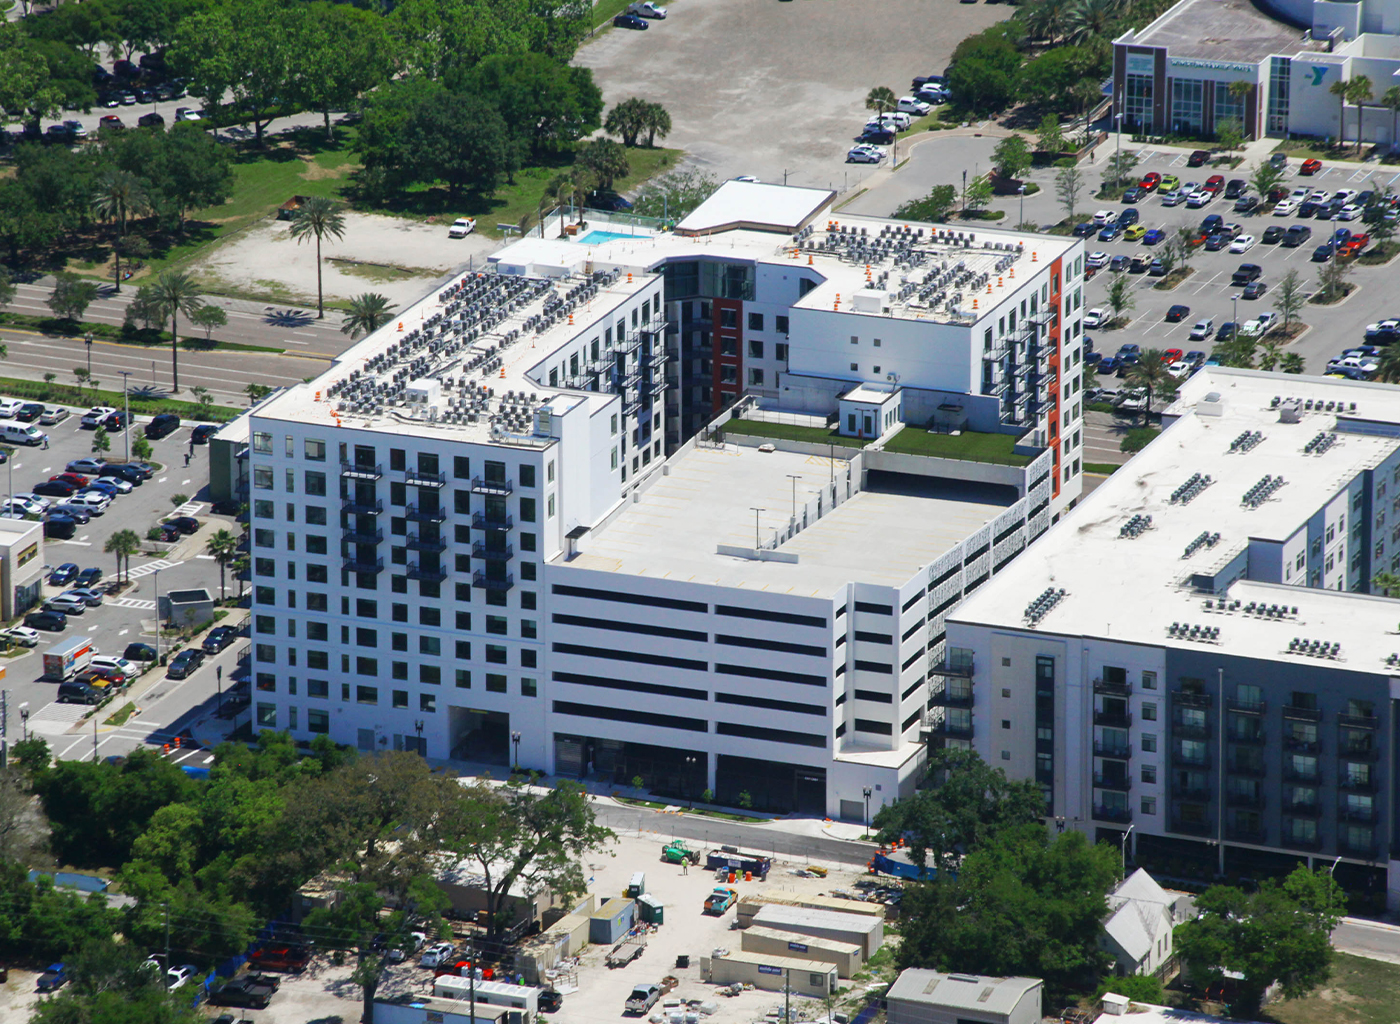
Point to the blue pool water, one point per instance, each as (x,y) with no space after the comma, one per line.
(594,237)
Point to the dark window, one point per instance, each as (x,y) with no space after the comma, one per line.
(366,637)
(874,638)
(874,609)
(771,645)
(635,717)
(609,595)
(799,739)
(399,612)
(429,616)
(461,467)
(774,705)
(629,627)
(874,695)
(874,666)
(771,673)
(770,616)
(872,726)
(397,459)
(627,684)
(631,656)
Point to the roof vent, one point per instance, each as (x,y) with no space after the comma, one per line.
(1211,405)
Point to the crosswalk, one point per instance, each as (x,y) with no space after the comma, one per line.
(150,567)
(189,508)
(56,712)
(132,602)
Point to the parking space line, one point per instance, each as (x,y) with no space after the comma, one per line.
(1361,175)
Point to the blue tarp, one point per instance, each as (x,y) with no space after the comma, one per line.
(902,869)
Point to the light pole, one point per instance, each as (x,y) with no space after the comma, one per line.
(157,583)
(1123,849)
(126,408)
(756,542)
(219,684)
(794,477)
(418,728)
(1118,160)
(87,341)
(1234,316)
(1021,191)
(689,773)
(24,718)
(868,793)
(515,739)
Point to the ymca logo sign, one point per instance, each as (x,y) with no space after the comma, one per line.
(1319,72)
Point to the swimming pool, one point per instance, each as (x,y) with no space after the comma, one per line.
(594,237)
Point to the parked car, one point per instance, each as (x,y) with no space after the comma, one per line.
(52,979)
(55,489)
(21,636)
(89,577)
(1254,290)
(90,596)
(139,652)
(1203,329)
(1096,317)
(1085,229)
(151,120)
(629,21)
(68,510)
(218,638)
(1198,158)
(1150,181)
(49,622)
(60,527)
(92,419)
(461,227)
(1273,234)
(1177,313)
(1154,236)
(864,154)
(1246,204)
(185,662)
(186,114)
(89,466)
(1310,166)
(114,666)
(66,605)
(436,954)
(29,412)
(241,992)
(162,426)
(203,432)
(118,421)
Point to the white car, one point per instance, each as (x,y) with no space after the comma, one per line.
(94,501)
(94,416)
(52,415)
(863,154)
(436,954)
(1349,212)
(66,605)
(1132,401)
(647,9)
(1321,196)
(1199,198)
(1104,218)
(186,114)
(749,178)
(1096,317)
(1354,363)
(1180,368)
(35,501)
(1173,198)
(1242,243)
(1344,195)
(8,408)
(1286,207)
(1300,193)
(1203,329)
(177,976)
(912,105)
(111,664)
(461,227)
(22,635)
(1096,259)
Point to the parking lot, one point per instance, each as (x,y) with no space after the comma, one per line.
(129,616)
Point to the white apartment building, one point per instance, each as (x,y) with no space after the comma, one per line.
(471,536)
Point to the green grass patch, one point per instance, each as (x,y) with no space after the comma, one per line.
(124,334)
(1321,298)
(982,214)
(793,432)
(65,394)
(1138,438)
(1360,991)
(969,446)
(1101,468)
(1379,254)
(706,811)
(120,716)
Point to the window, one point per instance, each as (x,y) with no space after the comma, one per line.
(495,683)
(430,616)
(780,324)
(1149,742)
(427,702)
(316,515)
(315,483)
(262,442)
(318,721)
(496,654)
(496,624)
(1149,773)
(756,376)
(366,694)
(400,699)
(464,679)
(1149,805)
(1149,680)
(527,510)
(529,687)
(262,478)
(430,675)
(1149,712)
(314,450)
(756,323)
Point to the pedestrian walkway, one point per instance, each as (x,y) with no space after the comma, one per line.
(189,508)
(158,565)
(133,602)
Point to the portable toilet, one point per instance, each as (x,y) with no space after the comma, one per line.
(650,909)
(637,885)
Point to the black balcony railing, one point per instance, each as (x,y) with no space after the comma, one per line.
(363,565)
(1191,828)
(1249,769)
(1296,842)
(1300,745)
(1112,689)
(1302,714)
(949,727)
(418,514)
(1295,774)
(1122,783)
(432,573)
(1255,800)
(1245,707)
(418,543)
(1118,750)
(1116,719)
(351,535)
(1366,851)
(1303,810)
(493,582)
(480,485)
(501,553)
(421,478)
(1195,794)
(492,521)
(1358,721)
(1121,814)
(950,666)
(1369,815)
(1201,760)
(1358,783)
(1257,738)
(1187,699)
(362,508)
(1192,730)
(360,471)
(1245,833)
(1359,752)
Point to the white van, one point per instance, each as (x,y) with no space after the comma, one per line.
(22,433)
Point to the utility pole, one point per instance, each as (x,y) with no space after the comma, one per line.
(166,905)
(126,407)
(757,541)
(1220,769)
(4,728)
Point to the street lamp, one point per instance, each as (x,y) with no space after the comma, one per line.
(757,543)
(24,718)
(156,574)
(1021,191)
(1234,316)
(515,739)
(418,728)
(868,793)
(219,685)
(1123,849)
(87,340)
(690,774)
(126,408)
(794,477)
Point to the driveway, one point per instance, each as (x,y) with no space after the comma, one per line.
(772,88)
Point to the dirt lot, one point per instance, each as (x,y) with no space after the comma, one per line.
(395,257)
(762,87)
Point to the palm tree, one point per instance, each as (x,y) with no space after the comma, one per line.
(1359,93)
(1086,92)
(1386,583)
(224,547)
(1150,374)
(123,544)
(1090,19)
(368,312)
(1240,91)
(1388,366)
(176,292)
(1046,19)
(119,195)
(880,99)
(1291,362)
(655,121)
(571,187)
(318,218)
(1339,90)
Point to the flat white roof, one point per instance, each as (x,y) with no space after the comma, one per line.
(1133,589)
(764,207)
(708,499)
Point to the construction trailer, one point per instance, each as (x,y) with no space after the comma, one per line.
(419,1009)
(921,996)
(613,920)
(805,977)
(844,956)
(751,903)
(861,930)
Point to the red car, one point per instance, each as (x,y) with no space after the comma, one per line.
(111,121)
(1198,158)
(1150,181)
(1277,194)
(1310,167)
(1355,245)
(1171,355)
(1214,183)
(76,479)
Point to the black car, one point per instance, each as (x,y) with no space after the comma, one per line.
(629,21)
(60,527)
(227,507)
(139,652)
(202,433)
(29,412)
(1178,313)
(1245,273)
(610,201)
(242,992)
(219,637)
(550,1001)
(89,577)
(1127,219)
(1296,235)
(185,662)
(50,622)
(1133,194)
(1198,158)
(162,426)
(1272,235)
(151,120)
(185,524)
(117,421)
(64,574)
(1322,253)
(55,489)
(74,692)
(1246,204)
(1254,289)
(1086,230)
(1235,187)
(130,474)
(878,137)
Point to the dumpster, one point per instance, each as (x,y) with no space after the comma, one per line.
(650,910)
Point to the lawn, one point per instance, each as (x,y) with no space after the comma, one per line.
(67,394)
(968,446)
(1361,991)
(793,432)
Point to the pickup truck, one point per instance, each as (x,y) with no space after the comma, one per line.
(643,998)
(292,959)
(720,900)
(243,992)
(461,227)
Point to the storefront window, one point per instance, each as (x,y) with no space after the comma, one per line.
(1137,100)
(1280,68)
(1187,100)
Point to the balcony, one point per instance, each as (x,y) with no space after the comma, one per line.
(1191,828)
(1369,815)
(362,565)
(952,697)
(417,543)
(1121,783)
(1186,699)
(416,514)
(360,471)
(352,536)
(505,582)
(949,727)
(1116,719)
(1255,800)
(433,574)
(960,665)
(1312,810)
(1357,783)
(501,487)
(1301,842)
(1249,769)
(362,508)
(1122,751)
(1195,794)
(1359,752)
(497,554)
(1244,833)
(1358,721)
(1191,760)
(490,521)
(1365,851)
(1301,746)
(1302,714)
(1120,814)
(1113,689)
(420,478)
(1295,774)
(1191,732)
(1245,707)
(1254,739)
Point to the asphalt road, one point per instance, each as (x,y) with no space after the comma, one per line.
(1373,939)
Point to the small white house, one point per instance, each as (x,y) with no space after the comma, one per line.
(870,410)
(1138,929)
